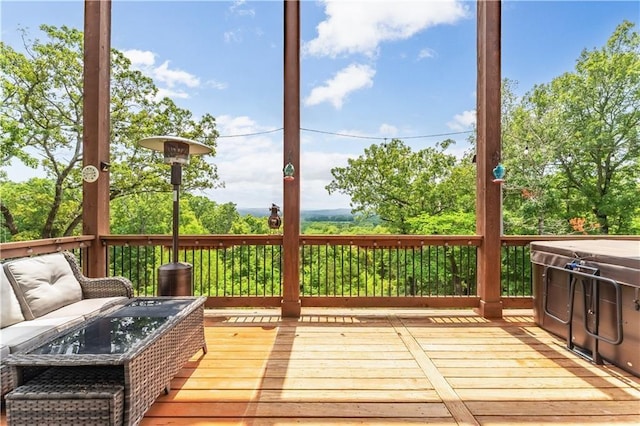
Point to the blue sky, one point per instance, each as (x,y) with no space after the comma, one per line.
(373,69)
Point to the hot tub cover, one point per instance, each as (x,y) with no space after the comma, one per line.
(617,259)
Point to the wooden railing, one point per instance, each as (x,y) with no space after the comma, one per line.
(50,245)
(335,270)
(388,270)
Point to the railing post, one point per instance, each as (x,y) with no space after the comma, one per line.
(291,154)
(488,146)
(95,138)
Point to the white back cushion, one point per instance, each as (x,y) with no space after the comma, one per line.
(43,283)
(10,312)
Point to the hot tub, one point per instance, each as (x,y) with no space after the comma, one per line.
(588,292)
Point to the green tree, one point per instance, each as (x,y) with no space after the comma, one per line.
(394,182)
(582,131)
(249,224)
(142,213)
(215,218)
(450,223)
(530,195)
(25,205)
(41,117)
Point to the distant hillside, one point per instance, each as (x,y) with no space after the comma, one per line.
(318,215)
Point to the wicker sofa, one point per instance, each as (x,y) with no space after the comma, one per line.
(43,295)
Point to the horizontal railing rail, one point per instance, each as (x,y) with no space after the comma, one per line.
(49,245)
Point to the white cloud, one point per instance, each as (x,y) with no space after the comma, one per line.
(251,168)
(388,130)
(245,136)
(172,77)
(218,85)
(316,175)
(145,61)
(426,53)
(238,8)
(238,35)
(166,78)
(352,78)
(139,58)
(233,36)
(317,165)
(360,27)
(229,125)
(173,94)
(463,121)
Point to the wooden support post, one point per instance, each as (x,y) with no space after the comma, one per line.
(291,154)
(488,193)
(95,141)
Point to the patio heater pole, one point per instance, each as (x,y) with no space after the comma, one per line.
(176,181)
(174,279)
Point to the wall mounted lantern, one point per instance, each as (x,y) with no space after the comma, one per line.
(174,279)
(274,219)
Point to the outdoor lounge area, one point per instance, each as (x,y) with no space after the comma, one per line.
(336,329)
(390,366)
(342,365)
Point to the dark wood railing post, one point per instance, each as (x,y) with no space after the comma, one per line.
(291,154)
(95,140)
(488,145)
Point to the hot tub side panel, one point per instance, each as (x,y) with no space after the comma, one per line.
(615,261)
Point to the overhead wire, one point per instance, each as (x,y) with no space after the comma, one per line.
(252,134)
(346,135)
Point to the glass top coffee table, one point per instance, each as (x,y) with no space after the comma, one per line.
(148,340)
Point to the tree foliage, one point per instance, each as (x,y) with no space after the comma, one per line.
(571,149)
(397,184)
(25,205)
(572,146)
(41,116)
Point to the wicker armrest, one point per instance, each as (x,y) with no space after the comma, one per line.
(99,287)
(106,287)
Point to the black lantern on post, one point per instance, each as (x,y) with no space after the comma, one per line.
(174,279)
(274,219)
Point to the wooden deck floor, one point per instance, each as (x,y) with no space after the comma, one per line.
(380,367)
(391,367)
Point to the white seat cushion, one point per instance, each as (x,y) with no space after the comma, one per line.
(86,308)
(10,312)
(43,283)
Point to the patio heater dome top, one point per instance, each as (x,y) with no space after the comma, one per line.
(157,143)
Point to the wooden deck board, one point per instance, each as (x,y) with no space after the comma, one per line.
(387,367)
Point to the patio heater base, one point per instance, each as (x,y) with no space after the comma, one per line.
(174,279)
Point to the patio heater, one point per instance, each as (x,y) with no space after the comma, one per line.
(174,279)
